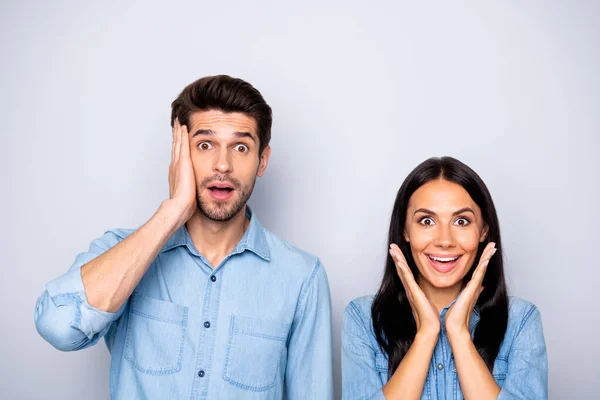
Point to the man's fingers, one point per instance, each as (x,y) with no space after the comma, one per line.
(185,142)
(173,134)
(177,141)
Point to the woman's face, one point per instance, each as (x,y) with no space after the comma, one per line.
(444,227)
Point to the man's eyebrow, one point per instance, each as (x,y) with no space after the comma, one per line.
(244,135)
(209,132)
(203,132)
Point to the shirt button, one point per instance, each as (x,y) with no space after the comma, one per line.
(213,278)
(207,324)
(201,374)
(440,366)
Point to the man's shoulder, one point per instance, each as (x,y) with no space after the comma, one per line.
(284,253)
(121,233)
(109,239)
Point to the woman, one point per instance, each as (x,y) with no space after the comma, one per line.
(441,325)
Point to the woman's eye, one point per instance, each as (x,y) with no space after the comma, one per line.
(242,148)
(462,222)
(426,221)
(204,146)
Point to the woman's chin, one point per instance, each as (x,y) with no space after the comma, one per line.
(444,281)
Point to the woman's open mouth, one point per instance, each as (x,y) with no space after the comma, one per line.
(443,263)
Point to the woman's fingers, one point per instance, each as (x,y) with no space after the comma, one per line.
(479,272)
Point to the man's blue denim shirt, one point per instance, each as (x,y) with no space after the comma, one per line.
(255,327)
(520,369)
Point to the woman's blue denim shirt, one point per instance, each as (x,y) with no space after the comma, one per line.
(520,369)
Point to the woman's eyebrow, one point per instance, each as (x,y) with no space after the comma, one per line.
(425,211)
(462,210)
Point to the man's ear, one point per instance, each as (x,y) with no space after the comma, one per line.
(264,161)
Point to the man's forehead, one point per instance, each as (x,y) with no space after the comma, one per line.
(216,120)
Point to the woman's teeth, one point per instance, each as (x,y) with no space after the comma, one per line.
(444,260)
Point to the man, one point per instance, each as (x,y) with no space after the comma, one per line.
(202,302)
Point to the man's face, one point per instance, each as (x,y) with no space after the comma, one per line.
(224,150)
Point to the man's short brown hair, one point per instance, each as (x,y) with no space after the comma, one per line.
(226,94)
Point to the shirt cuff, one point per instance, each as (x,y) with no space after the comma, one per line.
(68,289)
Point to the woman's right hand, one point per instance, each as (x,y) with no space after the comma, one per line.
(426,316)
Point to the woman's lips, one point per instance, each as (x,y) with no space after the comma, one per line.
(443,264)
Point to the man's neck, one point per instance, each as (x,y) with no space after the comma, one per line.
(214,239)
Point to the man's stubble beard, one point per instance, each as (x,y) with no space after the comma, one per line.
(220,212)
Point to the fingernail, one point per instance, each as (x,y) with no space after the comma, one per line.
(494,252)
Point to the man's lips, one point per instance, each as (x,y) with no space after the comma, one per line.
(219,185)
(220,190)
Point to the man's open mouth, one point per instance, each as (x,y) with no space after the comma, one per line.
(220,191)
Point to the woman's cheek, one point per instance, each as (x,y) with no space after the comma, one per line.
(468,241)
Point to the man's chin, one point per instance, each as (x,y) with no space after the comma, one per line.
(219,211)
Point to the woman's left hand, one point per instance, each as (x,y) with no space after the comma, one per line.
(459,314)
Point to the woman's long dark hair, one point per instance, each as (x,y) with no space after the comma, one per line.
(393,322)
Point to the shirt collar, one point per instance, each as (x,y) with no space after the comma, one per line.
(254,239)
(474,316)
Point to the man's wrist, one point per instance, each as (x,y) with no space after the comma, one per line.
(172,214)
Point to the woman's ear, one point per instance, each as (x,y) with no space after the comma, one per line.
(484,234)
(406,238)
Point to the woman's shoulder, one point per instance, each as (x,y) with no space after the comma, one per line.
(358,311)
(521,313)
(519,308)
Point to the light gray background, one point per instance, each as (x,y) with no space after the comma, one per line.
(361,94)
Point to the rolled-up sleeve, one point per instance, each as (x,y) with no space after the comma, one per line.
(360,377)
(63,317)
(527,376)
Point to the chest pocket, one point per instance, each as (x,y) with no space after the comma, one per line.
(155,335)
(254,352)
(498,373)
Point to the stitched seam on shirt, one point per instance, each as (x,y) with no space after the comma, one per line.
(526,318)
(155,371)
(254,388)
(259,335)
(172,246)
(68,296)
(177,322)
(307,287)
(357,312)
